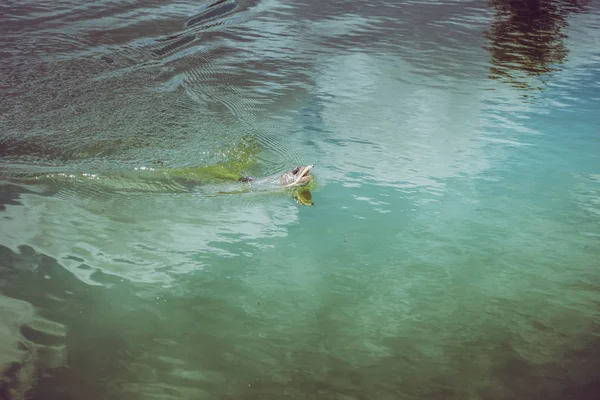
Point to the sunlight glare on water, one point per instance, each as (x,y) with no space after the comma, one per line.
(451,251)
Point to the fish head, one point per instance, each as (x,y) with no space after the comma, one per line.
(297,176)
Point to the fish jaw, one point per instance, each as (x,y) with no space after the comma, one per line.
(302,178)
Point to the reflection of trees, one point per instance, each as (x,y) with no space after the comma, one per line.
(527,38)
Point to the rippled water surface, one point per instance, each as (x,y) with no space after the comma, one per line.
(452,249)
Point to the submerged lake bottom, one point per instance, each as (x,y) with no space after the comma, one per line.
(458,298)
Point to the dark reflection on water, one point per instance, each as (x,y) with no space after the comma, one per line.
(204,20)
(216,9)
(83,82)
(527,39)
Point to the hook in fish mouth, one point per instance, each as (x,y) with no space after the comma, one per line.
(298,176)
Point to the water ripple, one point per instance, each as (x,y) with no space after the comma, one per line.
(456,227)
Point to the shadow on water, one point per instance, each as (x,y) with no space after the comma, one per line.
(58,343)
(37,330)
(527,39)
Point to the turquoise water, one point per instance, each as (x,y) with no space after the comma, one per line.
(452,250)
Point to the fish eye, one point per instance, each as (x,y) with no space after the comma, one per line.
(295,170)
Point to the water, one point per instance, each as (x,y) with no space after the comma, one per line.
(452,251)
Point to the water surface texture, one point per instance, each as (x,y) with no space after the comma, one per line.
(452,251)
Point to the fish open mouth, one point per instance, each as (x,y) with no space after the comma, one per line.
(303,177)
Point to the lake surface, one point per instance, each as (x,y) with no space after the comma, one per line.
(452,251)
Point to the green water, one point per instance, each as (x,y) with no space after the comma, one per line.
(451,252)
(468,293)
